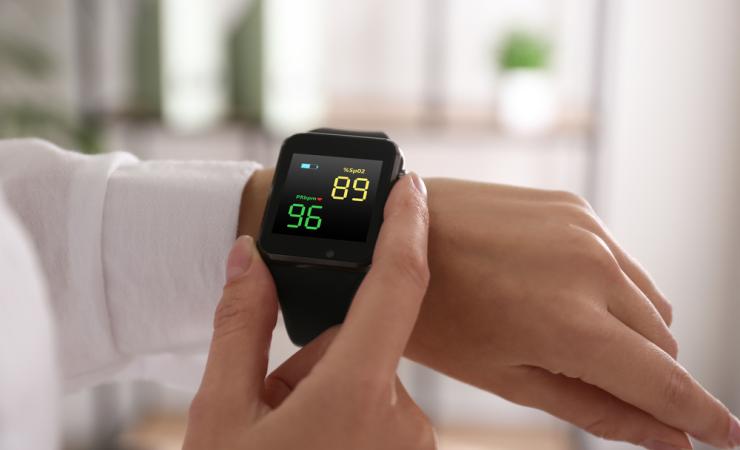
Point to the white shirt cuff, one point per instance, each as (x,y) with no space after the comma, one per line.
(167,229)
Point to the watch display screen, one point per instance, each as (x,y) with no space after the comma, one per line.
(328,197)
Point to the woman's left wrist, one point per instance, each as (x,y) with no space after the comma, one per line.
(254,198)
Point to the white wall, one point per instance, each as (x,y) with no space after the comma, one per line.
(671,186)
(376,48)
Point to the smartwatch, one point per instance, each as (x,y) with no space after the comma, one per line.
(322,220)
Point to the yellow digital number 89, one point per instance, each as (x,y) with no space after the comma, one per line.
(341,188)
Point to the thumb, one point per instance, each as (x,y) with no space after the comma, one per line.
(383,313)
(242,329)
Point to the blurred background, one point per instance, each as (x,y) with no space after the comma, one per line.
(634,104)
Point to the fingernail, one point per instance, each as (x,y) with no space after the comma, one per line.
(735,432)
(658,445)
(419,183)
(240,258)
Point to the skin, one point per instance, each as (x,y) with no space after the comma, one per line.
(531,298)
(340,391)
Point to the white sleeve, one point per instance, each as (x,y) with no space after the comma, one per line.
(133,251)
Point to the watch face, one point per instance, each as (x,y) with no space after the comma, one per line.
(328,197)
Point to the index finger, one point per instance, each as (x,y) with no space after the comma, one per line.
(640,373)
(384,310)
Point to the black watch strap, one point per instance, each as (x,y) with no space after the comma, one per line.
(314,298)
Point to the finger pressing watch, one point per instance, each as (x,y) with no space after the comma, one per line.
(322,220)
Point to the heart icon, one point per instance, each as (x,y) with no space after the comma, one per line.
(319,198)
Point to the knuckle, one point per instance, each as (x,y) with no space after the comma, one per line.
(230,312)
(676,390)
(607,421)
(601,261)
(238,309)
(411,264)
(671,346)
(592,253)
(601,426)
(572,198)
(416,207)
(580,216)
(666,311)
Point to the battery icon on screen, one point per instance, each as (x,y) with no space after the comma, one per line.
(309,166)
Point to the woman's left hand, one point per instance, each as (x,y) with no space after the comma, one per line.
(531,298)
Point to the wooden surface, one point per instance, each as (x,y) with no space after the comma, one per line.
(166,433)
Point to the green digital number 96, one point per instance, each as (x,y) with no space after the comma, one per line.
(304,216)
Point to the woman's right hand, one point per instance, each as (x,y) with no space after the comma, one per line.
(341,390)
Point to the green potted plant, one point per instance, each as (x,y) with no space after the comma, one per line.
(527,102)
(24,117)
